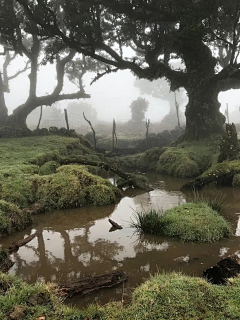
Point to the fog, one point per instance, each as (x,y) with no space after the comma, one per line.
(111,96)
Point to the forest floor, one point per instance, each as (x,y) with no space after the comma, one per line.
(168,296)
(31,172)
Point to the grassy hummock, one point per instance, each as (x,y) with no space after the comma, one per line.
(188,222)
(12,218)
(73,186)
(168,296)
(31,171)
(185,160)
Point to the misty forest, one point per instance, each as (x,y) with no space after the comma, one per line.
(120,159)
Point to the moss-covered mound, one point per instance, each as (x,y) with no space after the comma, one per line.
(12,218)
(185,161)
(188,222)
(48,168)
(225,173)
(21,158)
(73,186)
(163,297)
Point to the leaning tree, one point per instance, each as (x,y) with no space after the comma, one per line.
(203,34)
(19,38)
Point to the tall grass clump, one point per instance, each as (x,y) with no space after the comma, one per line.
(217,202)
(147,222)
(188,222)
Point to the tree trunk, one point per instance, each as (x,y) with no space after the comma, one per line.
(203,117)
(3,108)
(19,117)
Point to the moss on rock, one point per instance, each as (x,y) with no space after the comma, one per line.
(12,218)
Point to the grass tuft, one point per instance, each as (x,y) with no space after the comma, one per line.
(188,222)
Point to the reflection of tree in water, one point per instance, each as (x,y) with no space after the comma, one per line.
(81,258)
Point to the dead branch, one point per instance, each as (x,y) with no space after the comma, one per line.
(114,224)
(16,245)
(93,131)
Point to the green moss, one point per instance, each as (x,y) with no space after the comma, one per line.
(99,195)
(188,222)
(48,168)
(186,160)
(177,163)
(73,186)
(149,159)
(12,218)
(168,296)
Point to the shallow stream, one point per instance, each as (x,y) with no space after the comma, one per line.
(77,243)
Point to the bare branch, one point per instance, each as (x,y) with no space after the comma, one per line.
(20,71)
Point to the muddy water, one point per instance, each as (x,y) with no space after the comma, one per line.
(77,243)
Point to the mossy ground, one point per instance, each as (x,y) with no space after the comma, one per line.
(163,297)
(185,161)
(12,218)
(30,171)
(226,173)
(188,222)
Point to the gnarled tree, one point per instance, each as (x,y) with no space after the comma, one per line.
(161,30)
(23,40)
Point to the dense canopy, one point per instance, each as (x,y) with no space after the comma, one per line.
(204,35)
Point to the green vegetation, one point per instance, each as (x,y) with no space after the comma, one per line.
(185,161)
(48,168)
(217,203)
(165,296)
(188,222)
(12,218)
(30,171)
(149,159)
(53,191)
(225,173)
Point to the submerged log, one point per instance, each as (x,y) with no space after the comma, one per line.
(16,245)
(90,284)
(114,224)
(223,270)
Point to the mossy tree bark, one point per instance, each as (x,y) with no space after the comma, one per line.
(203,117)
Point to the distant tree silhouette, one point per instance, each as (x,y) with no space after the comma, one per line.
(138,109)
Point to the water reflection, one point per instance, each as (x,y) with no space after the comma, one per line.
(76,243)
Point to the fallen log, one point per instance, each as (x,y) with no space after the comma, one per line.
(223,270)
(87,285)
(114,224)
(129,177)
(16,245)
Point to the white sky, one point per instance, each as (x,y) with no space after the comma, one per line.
(111,96)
